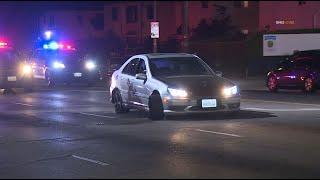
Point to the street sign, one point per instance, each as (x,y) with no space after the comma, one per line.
(154,29)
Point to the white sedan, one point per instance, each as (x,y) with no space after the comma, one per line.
(171,83)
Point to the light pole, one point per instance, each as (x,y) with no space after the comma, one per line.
(154,19)
(315,19)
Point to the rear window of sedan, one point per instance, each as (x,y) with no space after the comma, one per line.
(177,66)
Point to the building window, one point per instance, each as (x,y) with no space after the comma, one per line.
(98,22)
(80,20)
(245,4)
(149,12)
(51,21)
(237,4)
(245,31)
(114,14)
(204,4)
(132,14)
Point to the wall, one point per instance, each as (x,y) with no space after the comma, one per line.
(302,15)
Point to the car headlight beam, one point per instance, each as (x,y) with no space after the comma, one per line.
(229,91)
(178,92)
(26,69)
(58,65)
(90,65)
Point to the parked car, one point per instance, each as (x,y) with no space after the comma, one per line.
(171,83)
(299,71)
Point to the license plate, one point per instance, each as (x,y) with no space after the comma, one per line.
(209,103)
(77,74)
(12,78)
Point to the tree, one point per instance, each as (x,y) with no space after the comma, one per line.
(219,29)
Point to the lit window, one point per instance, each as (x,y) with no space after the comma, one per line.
(245,4)
(245,31)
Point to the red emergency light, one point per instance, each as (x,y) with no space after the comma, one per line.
(3,44)
(66,47)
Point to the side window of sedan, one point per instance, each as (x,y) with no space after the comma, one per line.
(131,67)
(142,67)
(285,65)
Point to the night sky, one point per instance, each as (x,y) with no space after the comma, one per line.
(19,19)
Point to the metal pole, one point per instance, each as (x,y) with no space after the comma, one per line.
(154,19)
(315,19)
(186,25)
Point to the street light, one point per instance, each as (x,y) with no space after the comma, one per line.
(48,34)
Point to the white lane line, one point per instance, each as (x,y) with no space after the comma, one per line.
(283,110)
(281,102)
(97,115)
(86,91)
(220,133)
(90,160)
(23,104)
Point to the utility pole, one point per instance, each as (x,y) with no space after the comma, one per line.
(186,27)
(315,19)
(154,19)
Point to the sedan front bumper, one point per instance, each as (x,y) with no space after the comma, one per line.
(194,105)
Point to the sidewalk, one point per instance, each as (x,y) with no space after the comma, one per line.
(251,83)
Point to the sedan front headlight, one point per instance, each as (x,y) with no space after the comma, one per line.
(90,65)
(58,65)
(26,69)
(178,92)
(229,91)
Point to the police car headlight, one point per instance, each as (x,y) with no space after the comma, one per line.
(229,91)
(26,69)
(58,65)
(90,65)
(178,92)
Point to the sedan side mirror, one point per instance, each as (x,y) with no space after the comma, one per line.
(218,73)
(141,76)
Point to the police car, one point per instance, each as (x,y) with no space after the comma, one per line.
(60,62)
(15,72)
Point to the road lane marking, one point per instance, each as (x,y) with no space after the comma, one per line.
(281,102)
(220,133)
(90,160)
(97,115)
(86,91)
(23,104)
(283,110)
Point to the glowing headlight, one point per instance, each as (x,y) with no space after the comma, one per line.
(26,69)
(90,65)
(228,92)
(178,92)
(58,65)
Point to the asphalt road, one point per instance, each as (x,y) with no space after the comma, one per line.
(74,133)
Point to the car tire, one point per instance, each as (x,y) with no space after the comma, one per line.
(272,84)
(118,103)
(155,107)
(309,86)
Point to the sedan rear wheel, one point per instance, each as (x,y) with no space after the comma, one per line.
(272,84)
(118,103)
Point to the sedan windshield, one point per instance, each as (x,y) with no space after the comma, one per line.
(177,66)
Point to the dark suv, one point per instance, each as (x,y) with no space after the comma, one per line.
(299,71)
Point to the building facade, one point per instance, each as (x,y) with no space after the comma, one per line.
(288,15)
(73,24)
(130,20)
